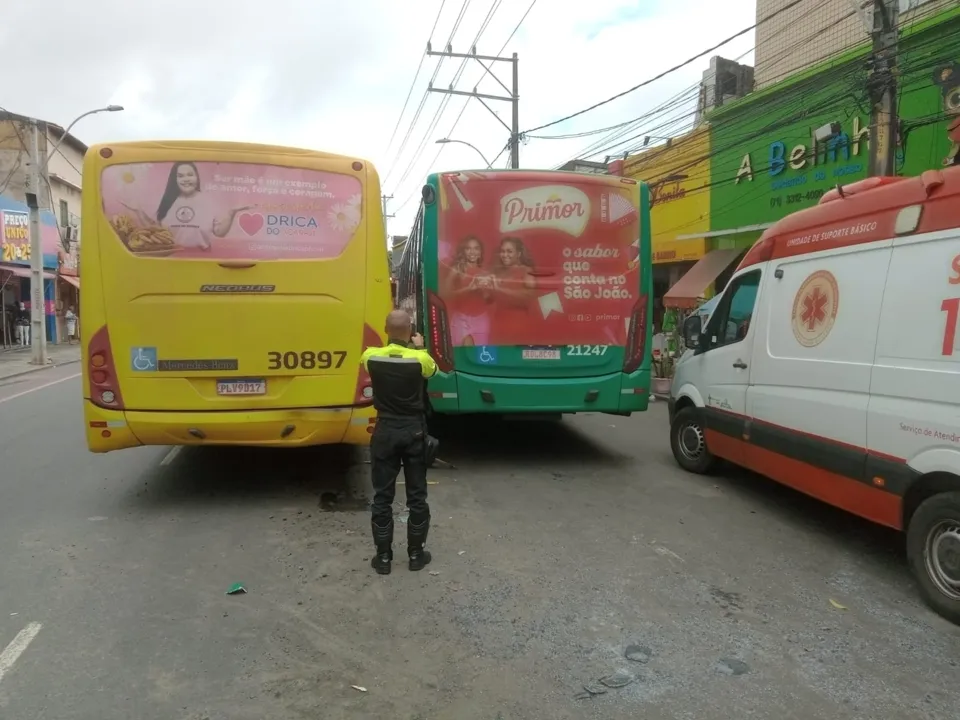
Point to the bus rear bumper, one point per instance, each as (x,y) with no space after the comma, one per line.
(109,430)
(614,393)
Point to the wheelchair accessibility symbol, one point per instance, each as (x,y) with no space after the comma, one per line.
(486,355)
(143,359)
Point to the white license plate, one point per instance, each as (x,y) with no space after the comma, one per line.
(541,354)
(241,387)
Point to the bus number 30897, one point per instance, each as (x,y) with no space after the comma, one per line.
(306,360)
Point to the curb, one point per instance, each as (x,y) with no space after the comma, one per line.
(38,369)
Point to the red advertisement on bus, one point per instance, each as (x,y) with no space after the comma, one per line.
(538,258)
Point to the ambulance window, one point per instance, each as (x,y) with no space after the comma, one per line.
(736,309)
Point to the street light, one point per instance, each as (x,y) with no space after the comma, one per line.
(108,108)
(444,141)
(38,334)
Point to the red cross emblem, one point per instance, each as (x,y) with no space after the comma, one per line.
(815,308)
(814,304)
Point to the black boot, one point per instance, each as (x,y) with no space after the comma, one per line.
(416,537)
(383,540)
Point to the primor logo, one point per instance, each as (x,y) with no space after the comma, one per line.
(550,207)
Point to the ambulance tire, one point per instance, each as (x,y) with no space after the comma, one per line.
(937,519)
(688,442)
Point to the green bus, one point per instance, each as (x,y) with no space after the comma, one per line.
(532,291)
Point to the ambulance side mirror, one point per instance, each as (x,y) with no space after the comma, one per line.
(691,332)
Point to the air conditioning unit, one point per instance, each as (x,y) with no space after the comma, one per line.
(71,233)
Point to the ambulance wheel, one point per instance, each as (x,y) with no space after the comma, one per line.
(933,550)
(689,443)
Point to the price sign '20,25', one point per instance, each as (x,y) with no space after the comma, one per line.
(14,252)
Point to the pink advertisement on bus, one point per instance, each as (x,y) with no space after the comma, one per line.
(217,211)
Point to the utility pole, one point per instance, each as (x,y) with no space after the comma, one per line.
(513,95)
(884,119)
(383,201)
(37,175)
(38,330)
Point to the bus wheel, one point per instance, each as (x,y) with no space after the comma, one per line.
(688,442)
(933,549)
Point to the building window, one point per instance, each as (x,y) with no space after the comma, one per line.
(64,214)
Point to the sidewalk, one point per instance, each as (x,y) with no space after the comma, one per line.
(17,362)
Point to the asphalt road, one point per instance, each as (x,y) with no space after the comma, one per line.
(556,546)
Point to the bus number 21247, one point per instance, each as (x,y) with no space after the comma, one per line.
(582,350)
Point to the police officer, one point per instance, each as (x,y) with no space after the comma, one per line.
(397,373)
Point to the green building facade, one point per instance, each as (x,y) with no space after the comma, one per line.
(765,163)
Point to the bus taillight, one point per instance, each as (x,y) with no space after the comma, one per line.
(364,392)
(440,346)
(102,372)
(636,336)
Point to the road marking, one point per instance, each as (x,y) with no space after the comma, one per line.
(15,649)
(172,455)
(39,387)
(668,553)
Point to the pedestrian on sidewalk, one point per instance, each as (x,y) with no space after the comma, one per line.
(71,319)
(397,372)
(23,327)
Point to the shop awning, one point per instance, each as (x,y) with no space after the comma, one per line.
(22,271)
(689,289)
(75,281)
(729,231)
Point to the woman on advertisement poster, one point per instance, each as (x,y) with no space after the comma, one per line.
(189,214)
(230,210)
(515,287)
(468,288)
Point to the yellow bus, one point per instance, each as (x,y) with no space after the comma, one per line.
(228,292)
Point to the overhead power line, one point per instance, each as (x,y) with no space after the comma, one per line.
(663,74)
(453,127)
(517,27)
(416,75)
(613,144)
(441,109)
(423,100)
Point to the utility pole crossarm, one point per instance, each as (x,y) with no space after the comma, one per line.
(488,58)
(513,98)
(469,94)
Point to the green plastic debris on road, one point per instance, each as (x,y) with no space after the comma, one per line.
(236,589)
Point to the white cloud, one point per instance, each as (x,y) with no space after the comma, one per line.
(334,75)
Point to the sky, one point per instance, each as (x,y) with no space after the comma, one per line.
(334,76)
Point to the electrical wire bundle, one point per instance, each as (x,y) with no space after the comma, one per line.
(406,169)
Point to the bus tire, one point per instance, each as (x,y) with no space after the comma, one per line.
(689,443)
(933,551)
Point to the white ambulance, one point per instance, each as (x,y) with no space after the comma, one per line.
(831,365)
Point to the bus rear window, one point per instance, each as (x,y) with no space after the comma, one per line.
(219,211)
